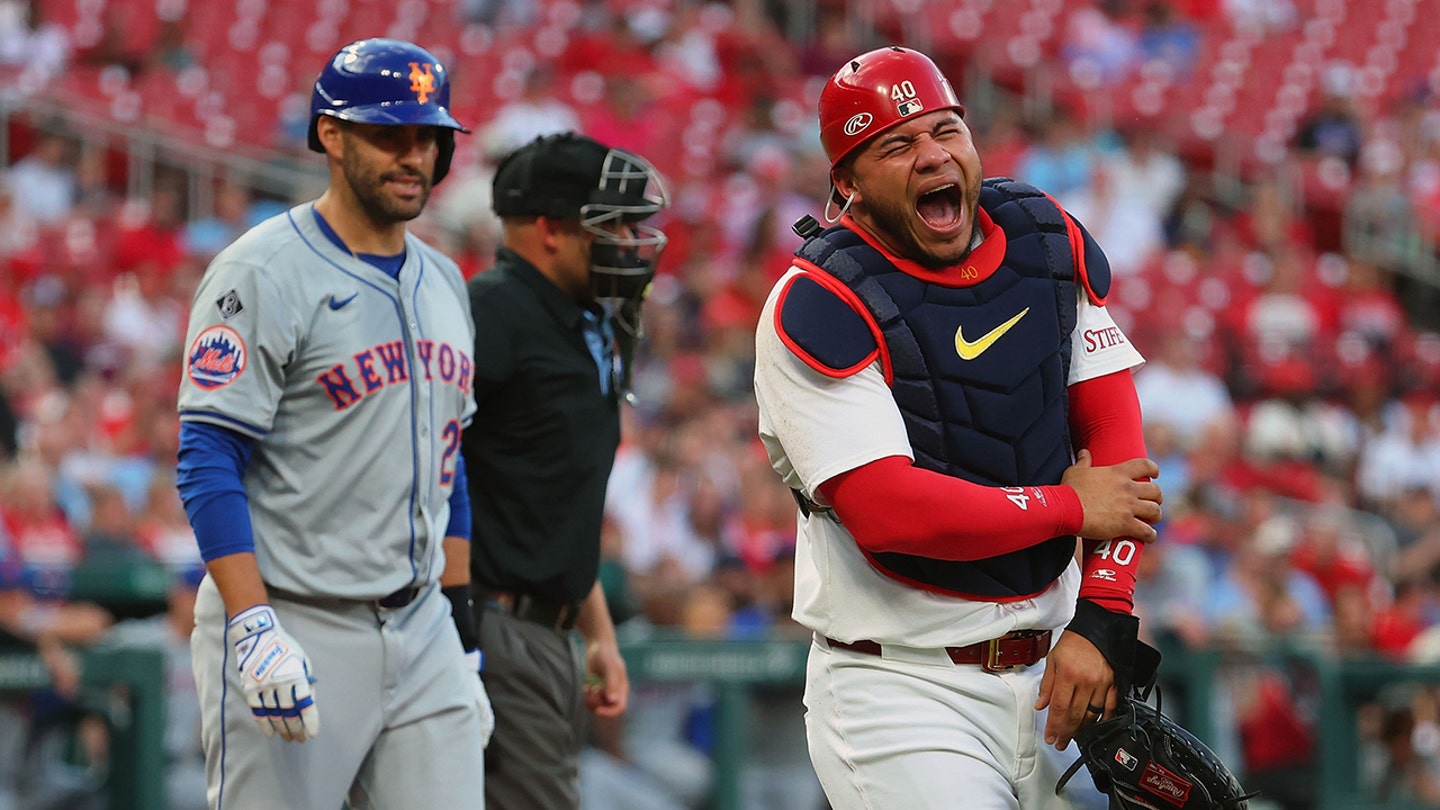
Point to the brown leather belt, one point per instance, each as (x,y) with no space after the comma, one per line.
(558,615)
(1020,648)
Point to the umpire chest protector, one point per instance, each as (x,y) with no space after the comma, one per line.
(977,358)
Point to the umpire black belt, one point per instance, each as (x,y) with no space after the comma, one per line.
(558,615)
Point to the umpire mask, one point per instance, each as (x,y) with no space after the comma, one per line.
(623,255)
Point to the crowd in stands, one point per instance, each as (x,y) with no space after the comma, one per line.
(1292,393)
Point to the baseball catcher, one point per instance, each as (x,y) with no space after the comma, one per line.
(1143,760)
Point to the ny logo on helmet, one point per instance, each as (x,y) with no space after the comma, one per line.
(422,81)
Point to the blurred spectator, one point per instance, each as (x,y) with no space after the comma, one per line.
(1331,550)
(42,540)
(508,14)
(1097,46)
(1167,37)
(1175,390)
(1171,593)
(1380,227)
(1262,16)
(28,42)
(110,537)
(535,112)
(1410,761)
(203,238)
(45,178)
(151,230)
(18,227)
(1404,457)
(1269,219)
(1284,316)
(162,529)
(169,633)
(1145,168)
(1060,159)
(143,318)
(1413,610)
(1262,595)
(1121,219)
(1333,129)
(1369,308)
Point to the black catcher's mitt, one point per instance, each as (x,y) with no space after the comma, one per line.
(1145,761)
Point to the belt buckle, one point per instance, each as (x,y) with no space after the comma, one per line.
(992,657)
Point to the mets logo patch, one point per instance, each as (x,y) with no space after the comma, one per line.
(216,358)
(1168,786)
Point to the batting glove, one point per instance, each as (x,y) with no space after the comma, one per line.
(275,675)
(476,660)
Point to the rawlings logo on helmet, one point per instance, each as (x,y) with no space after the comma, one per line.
(858,123)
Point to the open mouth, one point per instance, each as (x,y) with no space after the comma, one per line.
(940,208)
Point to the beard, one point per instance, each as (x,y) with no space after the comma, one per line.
(369,189)
(894,220)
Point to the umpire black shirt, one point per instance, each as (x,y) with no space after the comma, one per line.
(539,451)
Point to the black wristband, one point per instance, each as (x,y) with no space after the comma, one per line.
(1113,634)
(462,610)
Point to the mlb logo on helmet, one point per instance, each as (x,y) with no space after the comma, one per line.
(216,358)
(909,107)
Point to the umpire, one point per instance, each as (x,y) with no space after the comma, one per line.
(563,296)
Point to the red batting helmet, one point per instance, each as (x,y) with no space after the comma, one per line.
(876,91)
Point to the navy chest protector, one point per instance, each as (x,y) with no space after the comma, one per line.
(979,374)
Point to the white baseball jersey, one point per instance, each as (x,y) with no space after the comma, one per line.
(815,427)
(355,386)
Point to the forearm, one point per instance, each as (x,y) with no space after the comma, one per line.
(237,576)
(1106,420)
(457,562)
(593,621)
(891,505)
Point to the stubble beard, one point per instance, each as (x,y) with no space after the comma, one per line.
(895,222)
(379,206)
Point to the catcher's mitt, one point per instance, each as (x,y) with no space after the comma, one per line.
(1145,761)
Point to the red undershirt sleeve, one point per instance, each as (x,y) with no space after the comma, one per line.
(891,505)
(1105,419)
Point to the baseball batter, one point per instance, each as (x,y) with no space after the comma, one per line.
(940,385)
(327,381)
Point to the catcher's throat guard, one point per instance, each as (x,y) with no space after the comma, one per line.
(1143,760)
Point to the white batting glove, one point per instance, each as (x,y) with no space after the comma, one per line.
(476,659)
(275,675)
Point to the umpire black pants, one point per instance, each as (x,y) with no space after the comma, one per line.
(535,678)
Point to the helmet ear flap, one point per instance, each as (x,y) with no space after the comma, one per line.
(445,140)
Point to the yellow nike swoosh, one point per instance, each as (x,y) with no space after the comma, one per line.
(969,351)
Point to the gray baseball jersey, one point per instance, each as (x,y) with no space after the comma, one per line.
(355,386)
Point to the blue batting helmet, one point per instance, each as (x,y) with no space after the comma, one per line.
(386,82)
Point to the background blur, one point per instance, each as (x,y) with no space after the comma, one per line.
(1264,175)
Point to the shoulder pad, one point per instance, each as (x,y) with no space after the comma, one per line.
(1091,267)
(823,329)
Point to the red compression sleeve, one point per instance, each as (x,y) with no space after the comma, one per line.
(891,505)
(1105,419)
